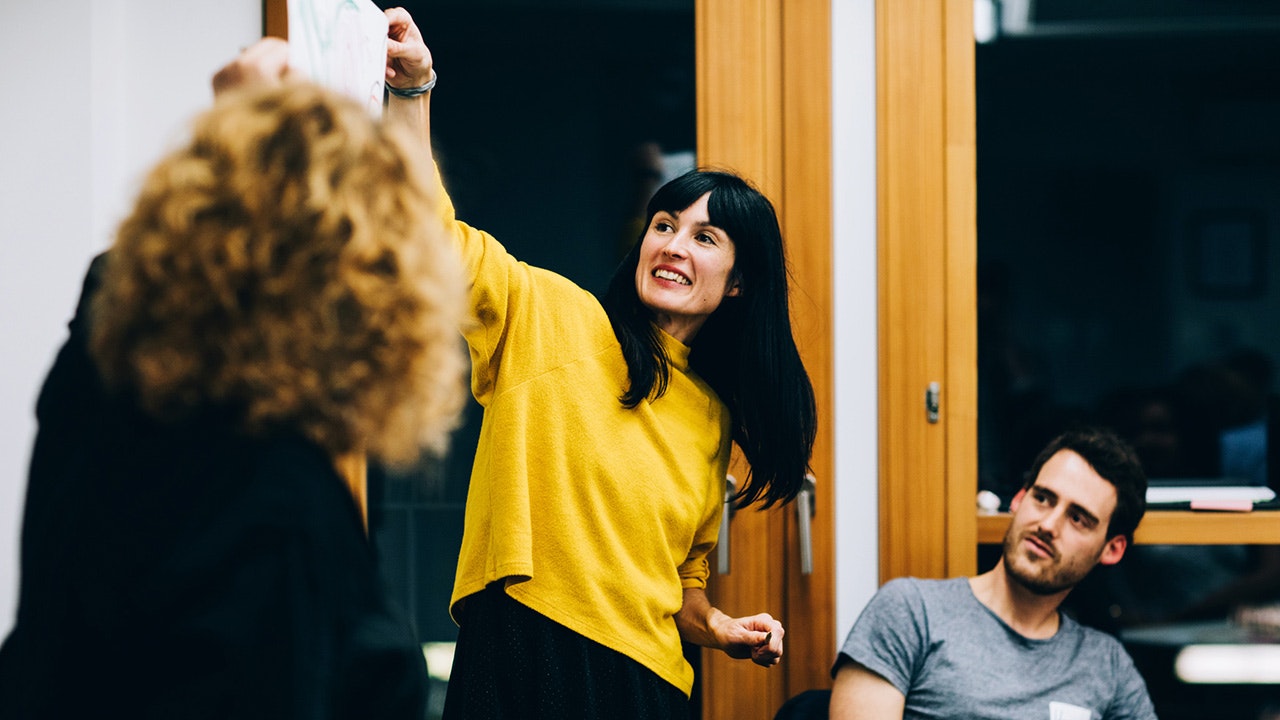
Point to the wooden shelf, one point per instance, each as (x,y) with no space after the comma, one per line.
(1176,527)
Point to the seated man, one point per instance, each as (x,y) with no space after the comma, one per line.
(995,645)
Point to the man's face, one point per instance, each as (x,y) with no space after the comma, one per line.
(1059,527)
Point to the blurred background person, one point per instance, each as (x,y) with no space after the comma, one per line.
(280,296)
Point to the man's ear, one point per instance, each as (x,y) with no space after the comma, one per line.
(1113,550)
(1017,500)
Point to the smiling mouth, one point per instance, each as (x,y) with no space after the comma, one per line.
(672,276)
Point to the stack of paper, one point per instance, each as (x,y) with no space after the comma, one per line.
(1163,494)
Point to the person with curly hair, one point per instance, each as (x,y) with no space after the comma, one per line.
(282,295)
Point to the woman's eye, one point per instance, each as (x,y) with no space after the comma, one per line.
(662,226)
(705,238)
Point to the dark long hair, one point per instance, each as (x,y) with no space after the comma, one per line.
(744,350)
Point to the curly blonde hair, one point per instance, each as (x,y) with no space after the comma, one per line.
(289,263)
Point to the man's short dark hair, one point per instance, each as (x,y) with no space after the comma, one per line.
(1112,458)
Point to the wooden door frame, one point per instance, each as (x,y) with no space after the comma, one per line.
(927,245)
(275,18)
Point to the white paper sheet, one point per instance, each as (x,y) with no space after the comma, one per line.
(341,44)
(1188,493)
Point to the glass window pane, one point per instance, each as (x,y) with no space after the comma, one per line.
(1128,212)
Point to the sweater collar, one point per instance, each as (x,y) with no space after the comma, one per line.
(677,352)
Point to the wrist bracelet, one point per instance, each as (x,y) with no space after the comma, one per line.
(414,92)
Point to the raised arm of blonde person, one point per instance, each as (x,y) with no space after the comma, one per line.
(408,66)
(758,637)
(264,63)
(859,694)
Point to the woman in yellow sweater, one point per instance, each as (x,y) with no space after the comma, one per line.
(597,486)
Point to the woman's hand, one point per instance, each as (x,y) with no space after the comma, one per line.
(262,64)
(758,637)
(408,59)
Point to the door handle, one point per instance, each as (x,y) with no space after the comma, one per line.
(805,510)
(722,545)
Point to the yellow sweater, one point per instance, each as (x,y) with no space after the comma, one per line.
(593,515)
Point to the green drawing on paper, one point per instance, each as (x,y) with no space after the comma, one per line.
(341,44)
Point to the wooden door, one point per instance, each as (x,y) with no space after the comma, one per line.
(764,110)
(927,209)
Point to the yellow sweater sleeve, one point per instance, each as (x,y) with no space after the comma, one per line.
(506,293)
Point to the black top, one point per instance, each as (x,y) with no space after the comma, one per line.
(185,570)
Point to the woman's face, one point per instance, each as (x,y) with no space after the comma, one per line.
(686,269)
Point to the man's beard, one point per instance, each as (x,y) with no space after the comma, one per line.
(1053,578)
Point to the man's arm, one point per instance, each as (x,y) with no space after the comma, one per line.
(859,694)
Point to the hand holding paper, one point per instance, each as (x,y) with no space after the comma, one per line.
(408,59)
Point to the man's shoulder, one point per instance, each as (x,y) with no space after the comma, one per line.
(927,587)
(920,597)
(1091,639)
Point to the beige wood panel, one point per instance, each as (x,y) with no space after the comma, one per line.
(807,220)
(731,688)
(739,128)
(764,108)
(961,387)
(275,19)
(912,218)
(739,89)
(1174,527)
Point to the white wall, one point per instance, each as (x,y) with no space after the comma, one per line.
(853,127)
(93,93)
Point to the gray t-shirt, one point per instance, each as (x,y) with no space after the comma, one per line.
(954,658)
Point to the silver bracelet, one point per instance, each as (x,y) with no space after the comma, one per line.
(414,92)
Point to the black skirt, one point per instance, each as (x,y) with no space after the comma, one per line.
(512,662)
